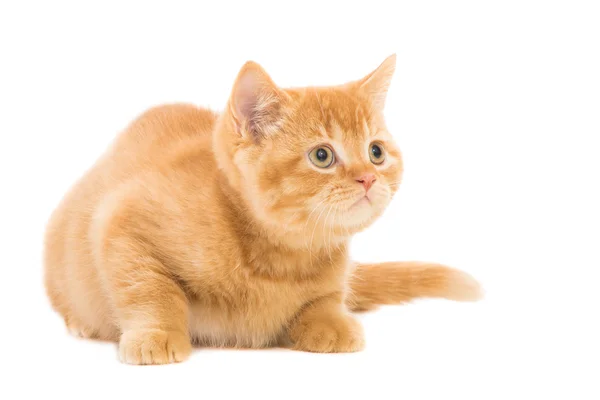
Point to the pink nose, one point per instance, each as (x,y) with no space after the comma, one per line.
(367,181)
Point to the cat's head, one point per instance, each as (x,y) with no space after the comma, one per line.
(314,161)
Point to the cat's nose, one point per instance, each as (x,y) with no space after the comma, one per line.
(367,181)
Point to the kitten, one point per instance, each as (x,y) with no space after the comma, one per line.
(233,229)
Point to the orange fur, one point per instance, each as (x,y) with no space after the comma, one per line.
(398,282)
(218,229)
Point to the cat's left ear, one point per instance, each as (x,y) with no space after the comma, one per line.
(375,85)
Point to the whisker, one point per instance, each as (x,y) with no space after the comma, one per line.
(313,210)
(313,235)
(331,233)
(325,226)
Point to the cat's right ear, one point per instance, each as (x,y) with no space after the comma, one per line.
(256,102)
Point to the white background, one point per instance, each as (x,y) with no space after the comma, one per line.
(495,104)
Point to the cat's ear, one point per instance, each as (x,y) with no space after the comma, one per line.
(256,102)
(375,85)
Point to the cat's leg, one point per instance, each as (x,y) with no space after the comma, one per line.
(78,329)
(151,309)
(146,303)
(325,326)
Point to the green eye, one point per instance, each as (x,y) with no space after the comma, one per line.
(376,153)
(322,157)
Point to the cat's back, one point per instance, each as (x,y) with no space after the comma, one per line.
(153,135)
(148,143)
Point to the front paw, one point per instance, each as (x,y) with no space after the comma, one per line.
(339,334)
(153,346)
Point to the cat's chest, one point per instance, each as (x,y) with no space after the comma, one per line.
(250,303)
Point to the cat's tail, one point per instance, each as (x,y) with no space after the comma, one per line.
(372,285)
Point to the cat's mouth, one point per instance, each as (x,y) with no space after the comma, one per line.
(363,201)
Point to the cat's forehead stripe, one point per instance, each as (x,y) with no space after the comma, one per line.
(335,133)
(342,115)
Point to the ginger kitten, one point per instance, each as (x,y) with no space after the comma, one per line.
(232,229)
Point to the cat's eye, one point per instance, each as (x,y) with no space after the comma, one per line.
(376,153)
(322,157)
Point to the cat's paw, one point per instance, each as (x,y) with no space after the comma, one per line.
(79,330)
(342,334)
(153,346)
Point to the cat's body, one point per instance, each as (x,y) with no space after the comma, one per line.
(167,179)
(182,232)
